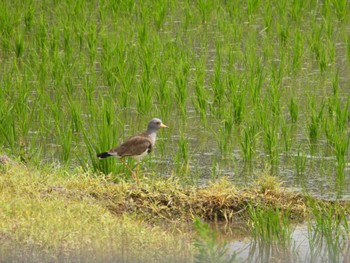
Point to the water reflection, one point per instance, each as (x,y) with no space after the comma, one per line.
(304,245)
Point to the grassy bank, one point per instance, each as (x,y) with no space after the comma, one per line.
(46,216)
(84,216)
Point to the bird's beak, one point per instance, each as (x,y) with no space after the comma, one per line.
(163,126)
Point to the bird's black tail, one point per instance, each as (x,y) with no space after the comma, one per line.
(103,155)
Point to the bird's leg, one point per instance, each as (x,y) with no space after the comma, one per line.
(133,175)
(137,171)
(126,165)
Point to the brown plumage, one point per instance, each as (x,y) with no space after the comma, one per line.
(135,147)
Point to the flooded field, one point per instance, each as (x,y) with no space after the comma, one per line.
(247,88)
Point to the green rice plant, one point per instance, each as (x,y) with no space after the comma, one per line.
(92,37)
(268,17)
(298,50)
(335,84)
(284,31)
(223,133)
(143,34)
(215,170)
(341,9)
(7,26)
(218,85)
(300,162)
(270,135)
(64,140)
(252,7)
(293,110)
(341,145)
(205,8)
(208,248)
(19,46)
(237,98)
(322,60)
(144,101)
(67,43)
(248,143)
(271,232)
(336,121)
(315,119)
(273,99)
(286,136)
(188,15)
(29,17)
(256,76)
(75,116)
(269,224)
(182,156)
(102,137)
(181,86)
(342,115)
(163,92)
(317,45)
(159,12)
(8,131)
(329,227)
(297,9)
(201,99)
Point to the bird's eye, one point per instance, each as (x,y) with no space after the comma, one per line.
(158,123)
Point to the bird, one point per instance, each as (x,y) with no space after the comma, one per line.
(136,147)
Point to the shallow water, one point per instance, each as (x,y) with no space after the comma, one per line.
(303,246)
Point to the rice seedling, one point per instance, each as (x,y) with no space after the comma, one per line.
(271,236)
(248,143)
(293,110)
(201,99)
(182,156)
(160,10)
(236,98)
(329,227)
(19,46)
(65,135)
(181,86)
(340,9)
(144,96)
(92,37)
(207,246)
(218,85)
(205,8)
(270,136)
(269,225)
(300,162)
(287,137)
(163,92)
(341,145)
(315,119)
(223,134)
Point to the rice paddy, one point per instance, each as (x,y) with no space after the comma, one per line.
(247,88)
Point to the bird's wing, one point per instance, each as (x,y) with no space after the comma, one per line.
(134,146)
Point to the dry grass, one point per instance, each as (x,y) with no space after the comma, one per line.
(80,215)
